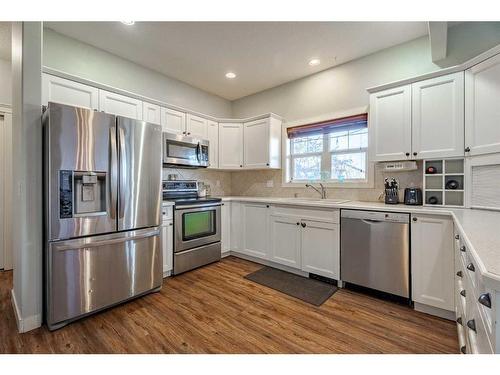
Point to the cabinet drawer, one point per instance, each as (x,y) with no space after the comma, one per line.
(486,304)
(167,213)
(476,332)
(331,215)
(463,343)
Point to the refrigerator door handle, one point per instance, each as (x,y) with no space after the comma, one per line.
(113,180)
(106,240)
(123,171)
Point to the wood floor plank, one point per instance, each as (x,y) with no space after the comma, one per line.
(214,309)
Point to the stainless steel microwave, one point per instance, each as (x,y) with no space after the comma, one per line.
(183,151)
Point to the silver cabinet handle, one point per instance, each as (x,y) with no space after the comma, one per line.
(471,267)
(462,293)
(462,249)
(472,324)
(463,350)
(457,237)
(459,274)
(303,225)
(485,300)
(459,320)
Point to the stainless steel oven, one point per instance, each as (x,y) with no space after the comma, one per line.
(180,150)
(197,235)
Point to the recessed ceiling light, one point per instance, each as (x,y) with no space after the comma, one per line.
(230,75)
(128,23)
(314,62)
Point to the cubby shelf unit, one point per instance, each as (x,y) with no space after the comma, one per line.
(435,184)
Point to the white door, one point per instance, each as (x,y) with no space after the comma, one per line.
(390,124)
(438,117)
(482,109)
(226,227)
(432,262)
(167,239)
(173,121)
(151,113)
(285,240)
(196,126)
(120,105)
(213,146)
(256,144)
(230,145)
(64,91)
(255,230)
(320,248)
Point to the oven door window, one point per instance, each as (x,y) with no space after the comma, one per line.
(198,224)
(182,150)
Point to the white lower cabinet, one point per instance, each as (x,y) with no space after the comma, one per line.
(255,225)
(167,243)
(320,248)
(285,241)
(432,261)
(225,228)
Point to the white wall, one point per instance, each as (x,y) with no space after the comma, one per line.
(5,82)
(344,86)
(77,58)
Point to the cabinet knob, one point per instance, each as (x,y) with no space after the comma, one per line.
(267,164)
(171,224)
(303,225)
(414,219)
(459,274)
(472,324)
(241,166)
(459,320)
(457,237)
(298,223)
(462,249)
(485,300)
(462,293)
(414,154)
(463,350)
(267,206)
(467,149)
(471,267)
(189,133)
(407,154)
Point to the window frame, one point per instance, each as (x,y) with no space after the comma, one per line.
(326,154)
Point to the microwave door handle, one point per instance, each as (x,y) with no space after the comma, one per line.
(198,152)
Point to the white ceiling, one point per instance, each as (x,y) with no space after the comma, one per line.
(5,41)
(262,54)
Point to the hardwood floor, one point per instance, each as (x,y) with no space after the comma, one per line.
(215,310)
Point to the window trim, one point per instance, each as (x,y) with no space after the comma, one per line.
(286,158)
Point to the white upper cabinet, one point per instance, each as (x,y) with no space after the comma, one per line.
(151,113)
(120,105)
(438,117)
(230,145)
(482,109)
(173,121)
(432,261)
(64,91)
(320,243)
(196,126)
(213,147)
(390,124)
(262,143)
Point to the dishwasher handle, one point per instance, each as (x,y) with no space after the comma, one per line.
(371,221)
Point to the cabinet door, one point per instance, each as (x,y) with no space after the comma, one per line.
(120,105)
(482,112)
(173,121)
(226,227)
(151,113)
(235,239)
(256,144)
(432,261)
(230,145)
(255,229)
(285,240)
(196,126)
(390,124)
(64,91)
(213,146)
(438,117)
(320,248)
(167,242)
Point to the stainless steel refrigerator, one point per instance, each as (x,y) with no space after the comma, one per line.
(102,211)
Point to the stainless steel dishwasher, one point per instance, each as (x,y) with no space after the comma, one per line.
(375,250)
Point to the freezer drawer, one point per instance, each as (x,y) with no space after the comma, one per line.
(89,274)
(375,251)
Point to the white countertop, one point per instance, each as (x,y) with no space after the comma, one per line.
(480,228)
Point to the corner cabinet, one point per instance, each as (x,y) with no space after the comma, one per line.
(262,143)
(482,112)
(230,145)
(432,261)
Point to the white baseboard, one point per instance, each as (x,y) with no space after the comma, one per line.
(436,311)
(26,324)
(269,263)
(225,254)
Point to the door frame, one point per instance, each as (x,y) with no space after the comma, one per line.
(6,190)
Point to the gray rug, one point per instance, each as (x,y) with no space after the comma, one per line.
(308,290)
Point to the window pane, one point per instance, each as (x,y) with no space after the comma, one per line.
(307,168)
(349,166)
(309,144)
(358,138)
(348,139)
(339,141)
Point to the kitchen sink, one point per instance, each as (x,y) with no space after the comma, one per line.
(318,200)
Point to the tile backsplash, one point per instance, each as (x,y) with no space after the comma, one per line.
(267,183)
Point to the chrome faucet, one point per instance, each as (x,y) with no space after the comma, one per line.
(321,192)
